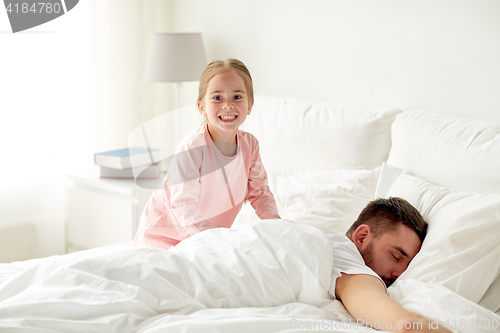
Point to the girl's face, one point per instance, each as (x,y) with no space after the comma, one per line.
(225,105)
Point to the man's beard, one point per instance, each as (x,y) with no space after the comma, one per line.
(367,255)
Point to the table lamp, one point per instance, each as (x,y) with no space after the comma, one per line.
(176,58)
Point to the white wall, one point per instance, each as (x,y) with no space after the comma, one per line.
(440,55)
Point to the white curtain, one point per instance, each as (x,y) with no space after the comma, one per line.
(120,98)
(70,88)
(43,132)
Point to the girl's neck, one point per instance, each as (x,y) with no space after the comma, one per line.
(226,144)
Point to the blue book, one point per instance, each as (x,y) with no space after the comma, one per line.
(150,172)
(122,159)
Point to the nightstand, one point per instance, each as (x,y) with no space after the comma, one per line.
(102,212)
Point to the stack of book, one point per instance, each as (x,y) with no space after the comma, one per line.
(121,163)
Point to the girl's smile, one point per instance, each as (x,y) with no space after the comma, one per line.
(228,118)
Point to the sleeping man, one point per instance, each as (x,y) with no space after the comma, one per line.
(375,251)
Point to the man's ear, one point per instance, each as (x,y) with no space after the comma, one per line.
(361,234)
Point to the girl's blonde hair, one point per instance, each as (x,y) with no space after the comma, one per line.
(220,66)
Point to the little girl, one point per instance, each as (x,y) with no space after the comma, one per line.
(216,167)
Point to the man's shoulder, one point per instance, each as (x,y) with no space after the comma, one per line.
(342,241)
(337,237)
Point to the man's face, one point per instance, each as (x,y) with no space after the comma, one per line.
(390,254)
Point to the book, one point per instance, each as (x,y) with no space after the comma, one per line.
(126,158)
(151,172)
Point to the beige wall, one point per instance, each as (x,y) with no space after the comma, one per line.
(442,56)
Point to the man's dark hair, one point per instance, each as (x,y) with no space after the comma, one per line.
(386,214)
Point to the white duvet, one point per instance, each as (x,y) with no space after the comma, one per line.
(268,276)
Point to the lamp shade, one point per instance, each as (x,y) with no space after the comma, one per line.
(175,57)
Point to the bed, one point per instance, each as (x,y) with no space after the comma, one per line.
(325,163)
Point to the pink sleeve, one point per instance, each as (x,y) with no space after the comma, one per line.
(259,194)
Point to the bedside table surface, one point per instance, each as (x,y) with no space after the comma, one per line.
(121,186)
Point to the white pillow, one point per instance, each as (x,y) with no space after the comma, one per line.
(461,154)
(462,246)
(299,136)
(330,200)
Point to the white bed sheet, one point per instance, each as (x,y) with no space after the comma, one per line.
(268,276)
(115,289)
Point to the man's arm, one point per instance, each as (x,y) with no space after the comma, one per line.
(365,297)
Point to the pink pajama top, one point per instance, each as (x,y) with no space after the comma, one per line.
(204,189)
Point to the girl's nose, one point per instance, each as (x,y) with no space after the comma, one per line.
(227,105)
